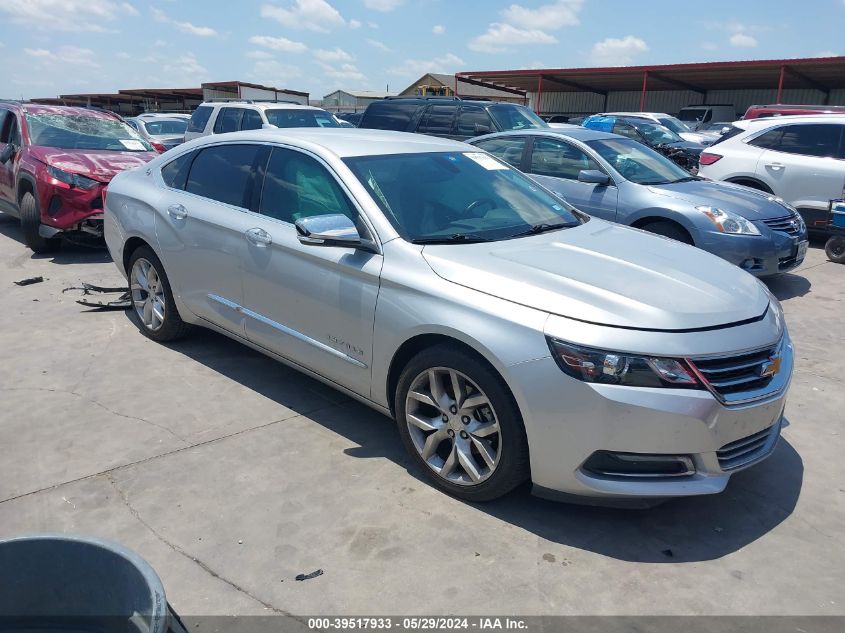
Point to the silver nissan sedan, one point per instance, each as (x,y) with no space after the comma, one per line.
(510,336)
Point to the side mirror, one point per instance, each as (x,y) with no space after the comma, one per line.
(593,176)
(334,229)
(7,153)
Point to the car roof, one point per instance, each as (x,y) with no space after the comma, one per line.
(261,104)
(343,142)
(578,133)
(778,120)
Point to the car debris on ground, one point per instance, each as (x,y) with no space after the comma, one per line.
(121,301)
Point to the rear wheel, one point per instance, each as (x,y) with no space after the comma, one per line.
(31,223)
(460,423)
(668,229)
(835,249)
(753,184)
(152,298)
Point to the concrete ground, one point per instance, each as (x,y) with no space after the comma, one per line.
(231,474)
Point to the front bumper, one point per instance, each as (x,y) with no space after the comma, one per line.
(771,253)
(568,421)
(66,208)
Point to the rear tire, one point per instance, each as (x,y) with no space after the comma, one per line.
(152,298)
(669,229)
(834,248)
(472,446)
(752,184)
(31,223)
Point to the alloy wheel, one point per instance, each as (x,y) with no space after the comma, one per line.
(453,426)
(147,294)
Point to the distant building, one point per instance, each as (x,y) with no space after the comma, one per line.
(352,100)
(442,85)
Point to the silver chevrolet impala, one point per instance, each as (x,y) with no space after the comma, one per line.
(511,336)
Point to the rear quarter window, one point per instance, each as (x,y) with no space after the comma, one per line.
(389,116)
(199,119)
(175,173)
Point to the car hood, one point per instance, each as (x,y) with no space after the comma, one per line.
(749,203)
(100,165)
(607,274)
(690,146)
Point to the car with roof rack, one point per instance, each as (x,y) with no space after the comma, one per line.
(457,118)
(220,116)
(511,336)
(55,164)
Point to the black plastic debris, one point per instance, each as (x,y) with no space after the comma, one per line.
(120,298)
(29,281)
(668,553)
(313,574)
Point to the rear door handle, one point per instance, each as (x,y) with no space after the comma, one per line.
(775,166)
(177,212)
(258,237)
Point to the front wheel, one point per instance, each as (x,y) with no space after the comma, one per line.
(31,223)
(460,423)
(668,229)
(834,248)
(152,298)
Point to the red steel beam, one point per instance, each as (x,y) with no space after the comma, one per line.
(642,94)
(539,93)
(780,83)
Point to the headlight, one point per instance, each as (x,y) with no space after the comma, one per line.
(617,368)
(727,222)
(74,180)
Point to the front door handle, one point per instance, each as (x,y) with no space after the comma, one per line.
(258,237)
(177,212)
(775,166)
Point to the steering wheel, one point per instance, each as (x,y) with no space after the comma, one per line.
(472,206)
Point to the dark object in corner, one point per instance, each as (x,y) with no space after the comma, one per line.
(313,574)
(30,281)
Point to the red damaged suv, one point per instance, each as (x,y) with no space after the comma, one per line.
(55,163)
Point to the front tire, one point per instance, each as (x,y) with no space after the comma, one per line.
(668,229)
(461,425)
(834,248)
(152,298)
(31,223)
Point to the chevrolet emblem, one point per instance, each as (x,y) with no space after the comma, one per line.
(770,368)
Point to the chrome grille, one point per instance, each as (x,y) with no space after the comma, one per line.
(789,224)
(748,450)
(734,374)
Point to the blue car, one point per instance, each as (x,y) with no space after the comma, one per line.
(619,179)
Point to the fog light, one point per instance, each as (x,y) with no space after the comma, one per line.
(642,465)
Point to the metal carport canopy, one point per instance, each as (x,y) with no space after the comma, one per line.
(821,73)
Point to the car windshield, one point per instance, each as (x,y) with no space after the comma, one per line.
(676,125)
(165,126)
(459,197)
(75,131)
(513,117)
(638,163)
(657,134)
(291,117)
(692,114)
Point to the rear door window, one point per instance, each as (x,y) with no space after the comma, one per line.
(225,173)
(474,121)
(438,119)
(559,159)
(228,120)
(508,148)
(820,140)
(389,115)
(251,120)
(199,119)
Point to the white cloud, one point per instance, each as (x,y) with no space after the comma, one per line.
(743,40)
(69,55)
(522,26)
(548,17)
(378,45)
(347,72)
(499,36)
(273,73)
(448,63)
(186,65)
(258,55)
(438,29)
(312,15)
(185,27)
(129,9)
(354,24)
(62,15)
(617,52)
(337,55)
(278,43)
(710,46)
(124,55)
(382,5)
(819,54)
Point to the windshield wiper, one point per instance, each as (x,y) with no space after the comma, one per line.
(450,239)
(685,179)
(544,227)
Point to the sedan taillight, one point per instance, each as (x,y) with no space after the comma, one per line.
(707,158)
(158,147)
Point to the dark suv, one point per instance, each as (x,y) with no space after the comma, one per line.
(55,163)
(450,117)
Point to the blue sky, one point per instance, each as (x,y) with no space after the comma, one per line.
(68,46)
